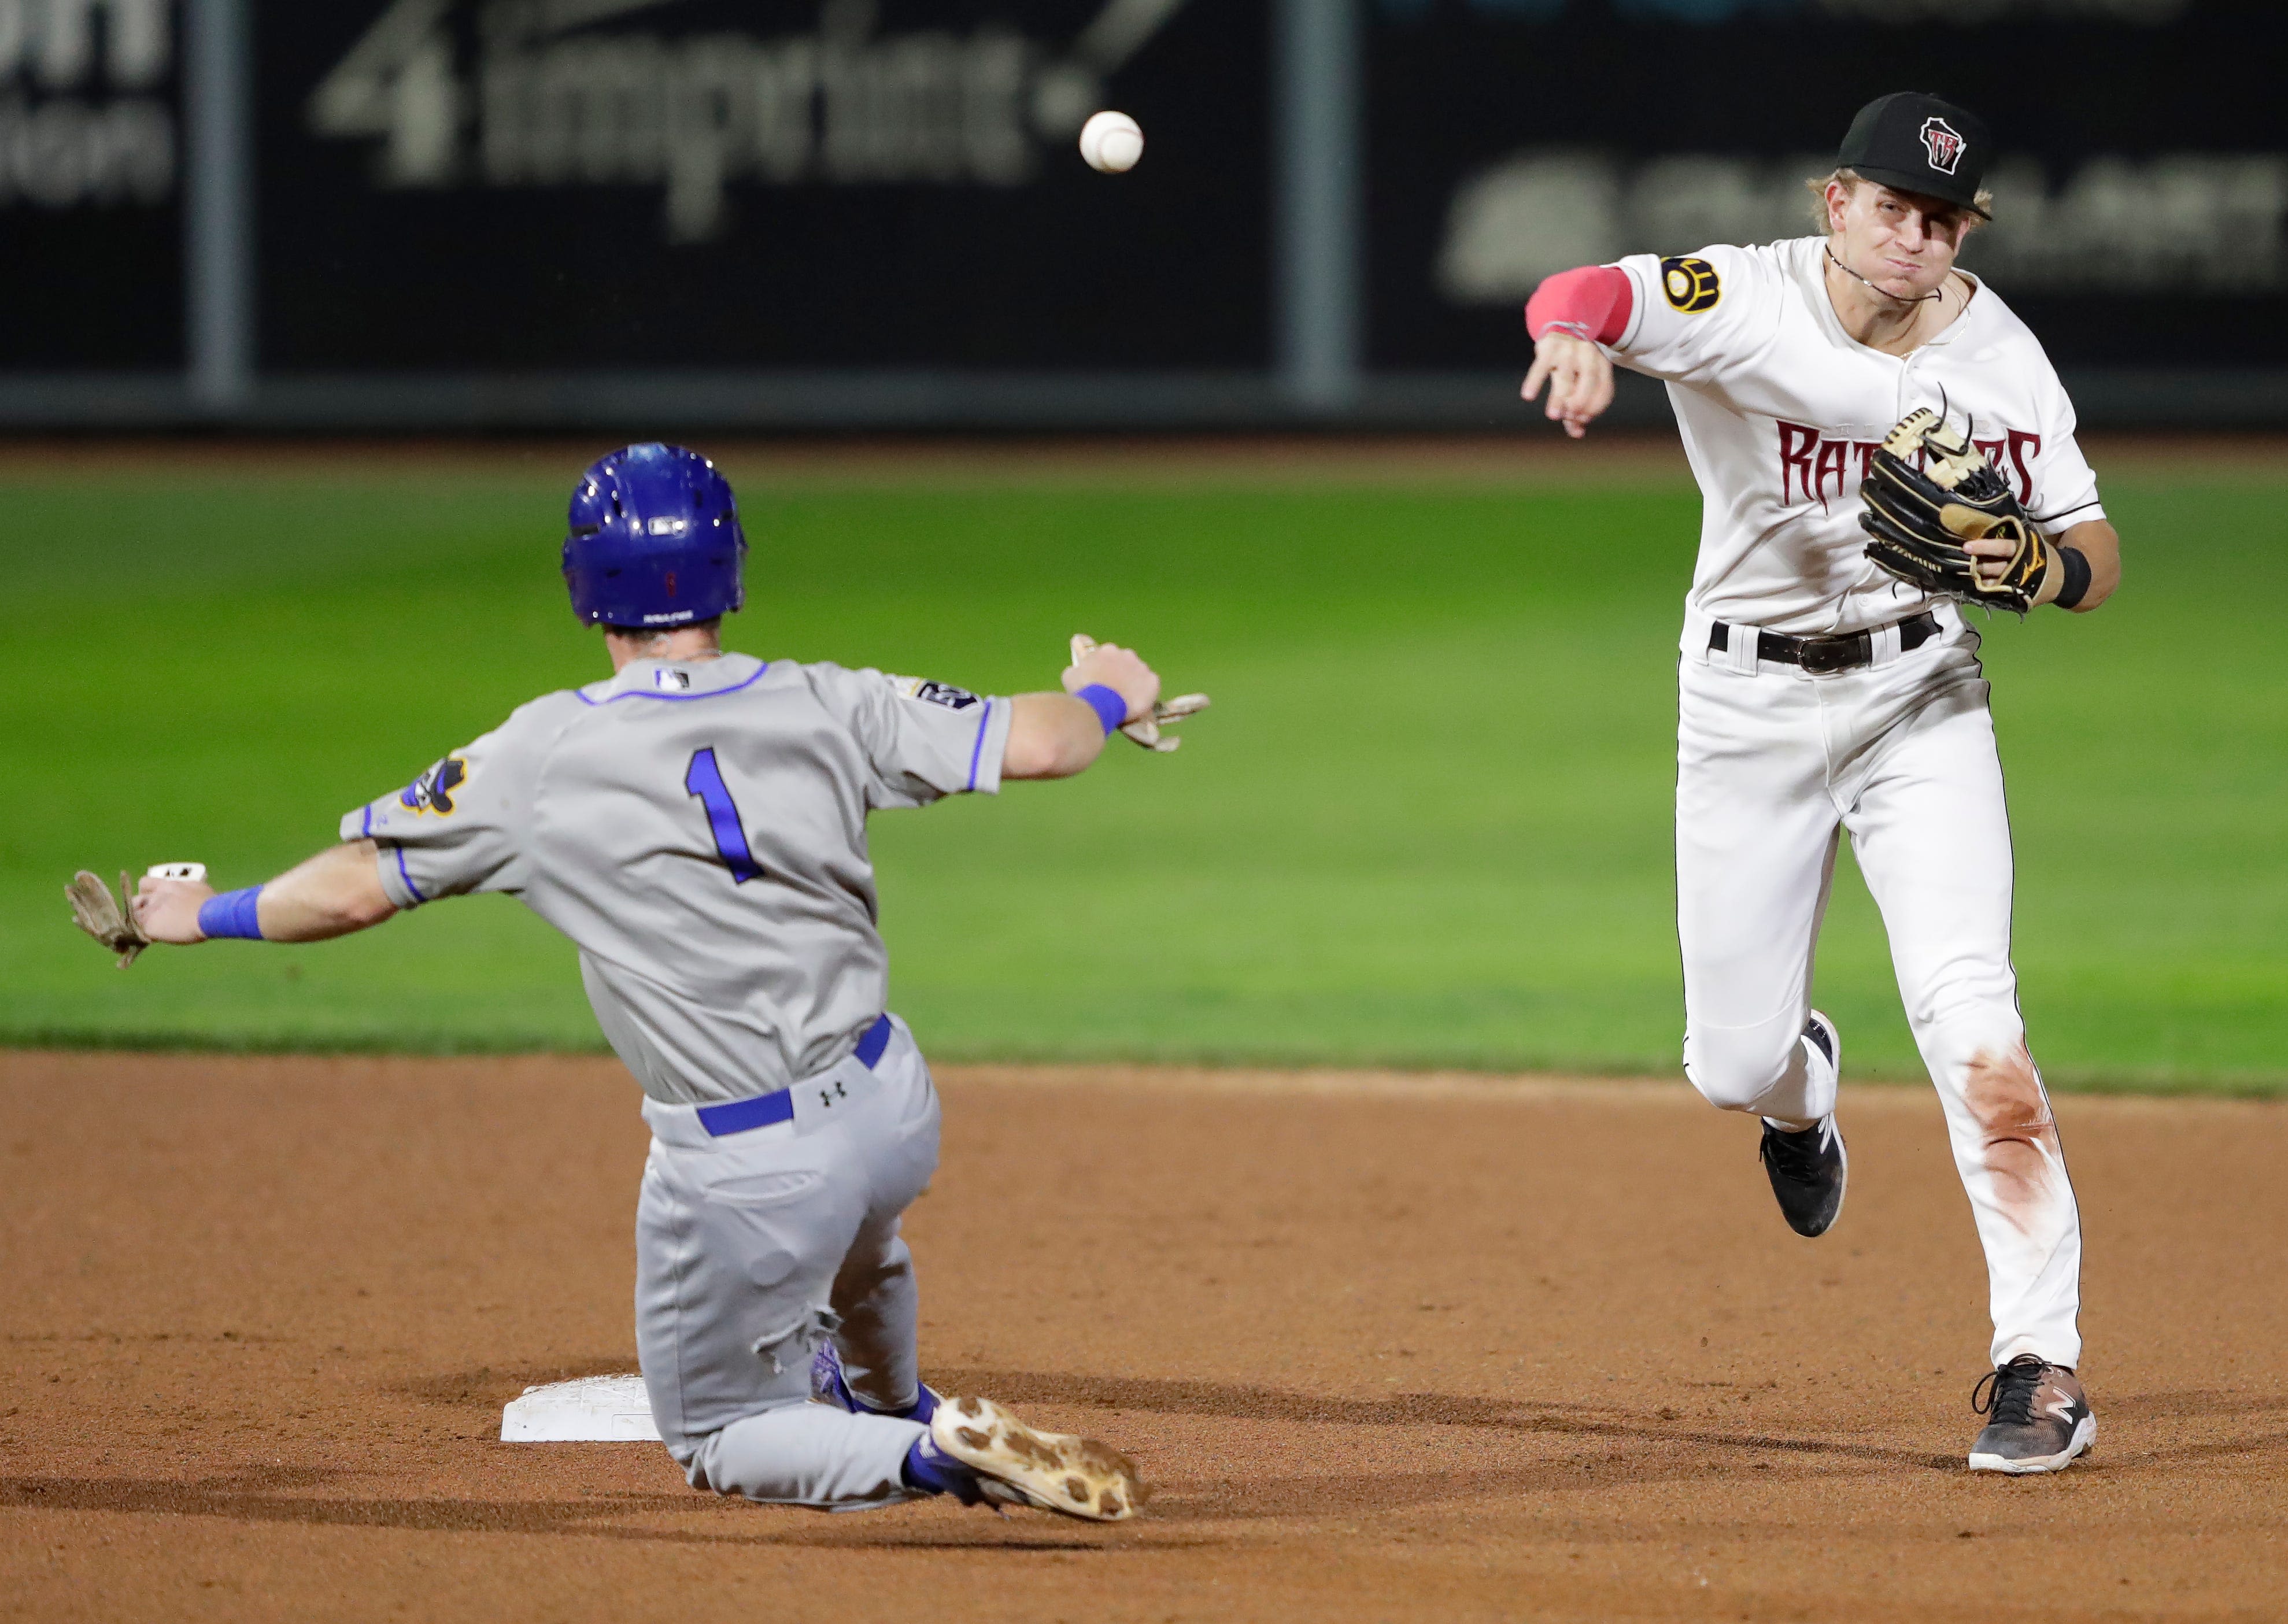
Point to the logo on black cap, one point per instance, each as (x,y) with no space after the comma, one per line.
(1916,142)
(1944,143)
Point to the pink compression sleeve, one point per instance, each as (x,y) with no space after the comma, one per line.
(1594,302)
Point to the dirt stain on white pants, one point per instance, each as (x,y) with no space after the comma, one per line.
(2020,1137)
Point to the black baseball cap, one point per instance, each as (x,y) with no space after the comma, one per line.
(1912,142)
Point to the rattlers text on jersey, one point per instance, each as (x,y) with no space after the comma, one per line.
(1780,408)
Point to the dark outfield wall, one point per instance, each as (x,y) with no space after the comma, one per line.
(587,183)
(2140,185)
(90,216)
(480,187)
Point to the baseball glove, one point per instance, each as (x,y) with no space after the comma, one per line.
(1928,492)
(1146,730)
(112,923)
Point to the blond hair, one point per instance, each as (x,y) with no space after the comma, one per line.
(1850,180)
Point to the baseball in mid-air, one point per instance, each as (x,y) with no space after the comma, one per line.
(1111,142)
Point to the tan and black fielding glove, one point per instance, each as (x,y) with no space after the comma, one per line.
(1146,730)
(110,922)
(1929,493)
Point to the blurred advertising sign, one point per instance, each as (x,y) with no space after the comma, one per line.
(87,187)
(2191,222)
(2140,190)
(774,183)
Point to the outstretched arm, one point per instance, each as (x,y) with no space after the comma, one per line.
(332,894)
(1056,735)
(1568,317)
(1580,380)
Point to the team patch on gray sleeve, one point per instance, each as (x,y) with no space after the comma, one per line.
(433,790)
(935,692)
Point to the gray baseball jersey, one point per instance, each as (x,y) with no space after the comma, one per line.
(698,829)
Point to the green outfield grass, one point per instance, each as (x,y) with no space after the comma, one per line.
(1427,823)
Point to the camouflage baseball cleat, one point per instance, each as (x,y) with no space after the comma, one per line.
(2038,1419)
(1016,1465)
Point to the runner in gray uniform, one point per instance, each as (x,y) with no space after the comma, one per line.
(697,824)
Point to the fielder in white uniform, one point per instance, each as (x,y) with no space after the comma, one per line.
(1818,694)
(696,823)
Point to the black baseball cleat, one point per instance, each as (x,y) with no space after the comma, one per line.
(2038,1418)
(1809,1169)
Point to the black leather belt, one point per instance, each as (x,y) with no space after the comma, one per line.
(1825,655)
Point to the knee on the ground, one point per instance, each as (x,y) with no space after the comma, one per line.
(1737,1068)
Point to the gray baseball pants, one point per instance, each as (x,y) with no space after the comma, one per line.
(751,1248)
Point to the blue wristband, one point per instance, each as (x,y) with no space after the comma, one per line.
(1111,708)
(231,913)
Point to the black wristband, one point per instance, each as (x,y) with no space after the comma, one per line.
(2076,586)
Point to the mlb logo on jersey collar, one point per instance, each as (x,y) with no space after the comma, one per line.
(645,679)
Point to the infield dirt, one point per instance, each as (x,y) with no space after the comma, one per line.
(1388,1346)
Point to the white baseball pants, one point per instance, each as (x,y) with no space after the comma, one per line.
(1772,764)
(752,1248)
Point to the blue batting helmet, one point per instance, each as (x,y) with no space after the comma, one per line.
(654,541)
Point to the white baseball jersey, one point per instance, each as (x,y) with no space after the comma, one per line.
(1780,409)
